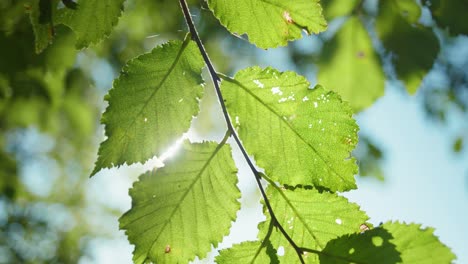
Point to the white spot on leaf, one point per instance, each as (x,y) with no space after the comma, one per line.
(280,251)
(259,84)
(338,221)
(276,90)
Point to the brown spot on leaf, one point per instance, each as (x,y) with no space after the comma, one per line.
(361,54)
(167,249)
(363,228)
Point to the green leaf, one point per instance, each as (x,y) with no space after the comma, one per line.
(92,21)
(349,66)
(248,252)
(298,135)
(418,245)
(269,23)
(450,14)
(151,104)
(182,209)
(414,47)
(311,218)
(336,8)
(389,243)
(372,246)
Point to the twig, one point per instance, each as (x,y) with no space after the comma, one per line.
(215,78)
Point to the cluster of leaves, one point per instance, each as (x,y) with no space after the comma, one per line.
(301,136)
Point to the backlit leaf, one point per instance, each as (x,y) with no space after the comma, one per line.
(182,209)
(349,66)
(151,104)
(248,252)
(92,20)
(387,244)
(311,219)
(269,23)
(297,134)
(418,245)
(372,246)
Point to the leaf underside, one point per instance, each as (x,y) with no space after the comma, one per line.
(311,219)
(269,23)
(392,242)
(151,104)
(300,136)
(182,209)
(248,252)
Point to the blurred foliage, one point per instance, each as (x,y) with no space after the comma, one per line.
(370,157)
(354,62)
(450,14)
(52,95)
(48,92)
(414,47)
(333,8)
(58,91)
(409,46)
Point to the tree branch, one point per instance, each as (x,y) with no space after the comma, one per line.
(215,78)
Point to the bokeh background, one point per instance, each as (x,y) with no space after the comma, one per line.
(412,152)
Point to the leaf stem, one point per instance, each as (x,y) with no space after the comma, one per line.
(215,78)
